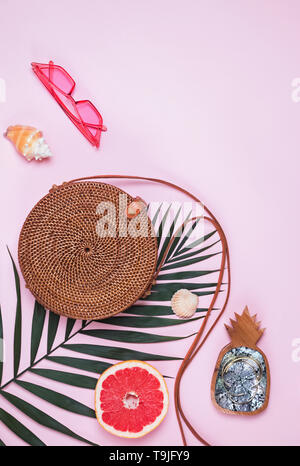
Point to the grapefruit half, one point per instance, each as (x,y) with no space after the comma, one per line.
(131,399)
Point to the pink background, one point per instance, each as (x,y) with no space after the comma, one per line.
(195,92)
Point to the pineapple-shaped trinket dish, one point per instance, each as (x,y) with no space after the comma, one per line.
(241,379)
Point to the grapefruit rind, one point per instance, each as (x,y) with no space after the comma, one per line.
(163,387)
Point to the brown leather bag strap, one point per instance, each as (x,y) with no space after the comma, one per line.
(197,343)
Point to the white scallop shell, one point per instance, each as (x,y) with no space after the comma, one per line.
(184,303)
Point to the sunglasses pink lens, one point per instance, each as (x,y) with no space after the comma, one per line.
(59,77)
(89,115)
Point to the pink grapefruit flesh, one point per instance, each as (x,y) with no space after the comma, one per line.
(131,399)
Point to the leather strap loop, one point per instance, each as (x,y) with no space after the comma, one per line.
(200,338)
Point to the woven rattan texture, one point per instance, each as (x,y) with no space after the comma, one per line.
(73,271)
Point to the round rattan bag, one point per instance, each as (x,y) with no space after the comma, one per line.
(81,256)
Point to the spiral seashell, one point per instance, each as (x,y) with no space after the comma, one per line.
(184,303)
(135,207)
(29,142)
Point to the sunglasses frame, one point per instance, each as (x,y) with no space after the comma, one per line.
(76,119)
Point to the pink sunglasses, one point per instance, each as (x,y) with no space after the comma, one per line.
(82,113)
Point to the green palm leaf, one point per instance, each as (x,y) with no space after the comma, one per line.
(121,354)
(196,243)
(184,275)
(88,365)
(69,327)
(189,262)
(19,429)
(191,254)
(161,226)
(166,295)
(130,336)
(1,347)
(57,399)
(38,321)
(18,320)
(164,292)
(186,236)
(53,322)
(168,237)
(178,237)
(156,215)
(146,322)
(173,287)
(150,310)
(40,417)
(77,380)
